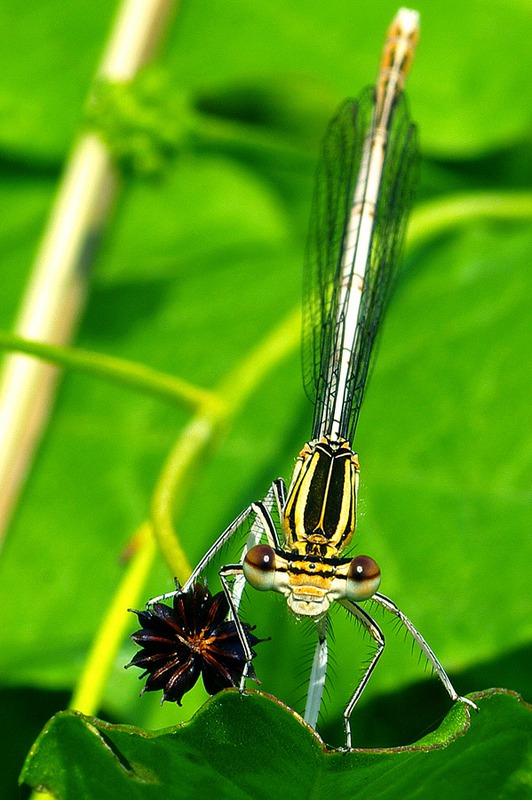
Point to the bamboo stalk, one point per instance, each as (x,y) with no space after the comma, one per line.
(57,287)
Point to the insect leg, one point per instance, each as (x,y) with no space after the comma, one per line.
(209,555)
(390,606)
(226,572)
(262,525)
(377,635)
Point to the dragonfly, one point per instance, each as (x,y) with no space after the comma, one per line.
(363,195)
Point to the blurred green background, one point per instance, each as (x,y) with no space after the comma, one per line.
(201,261)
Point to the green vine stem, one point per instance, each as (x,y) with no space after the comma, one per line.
(118,370)
(438,216)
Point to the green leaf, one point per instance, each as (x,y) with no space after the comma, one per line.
(254,747)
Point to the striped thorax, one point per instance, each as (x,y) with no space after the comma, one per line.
(320,513)
(318,523)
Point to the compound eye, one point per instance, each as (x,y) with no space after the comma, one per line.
(363,578)
(259,567)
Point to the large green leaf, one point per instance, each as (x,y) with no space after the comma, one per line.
(251,747)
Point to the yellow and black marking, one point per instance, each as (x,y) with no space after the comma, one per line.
(320,513)
(310,583)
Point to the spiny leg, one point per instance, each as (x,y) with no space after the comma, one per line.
(207,558)
(390,606)
(226,572)
(377,635)
(262,525)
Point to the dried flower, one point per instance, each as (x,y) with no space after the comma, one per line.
(192,638)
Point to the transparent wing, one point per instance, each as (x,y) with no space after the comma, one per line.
(393,207)
(336,180)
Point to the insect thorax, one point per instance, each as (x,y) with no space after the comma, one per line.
(320,513)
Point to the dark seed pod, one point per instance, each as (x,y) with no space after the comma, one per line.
(192,638)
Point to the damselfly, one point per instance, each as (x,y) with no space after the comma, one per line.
(363,195)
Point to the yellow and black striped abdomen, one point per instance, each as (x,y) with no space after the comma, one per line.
(320,512)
